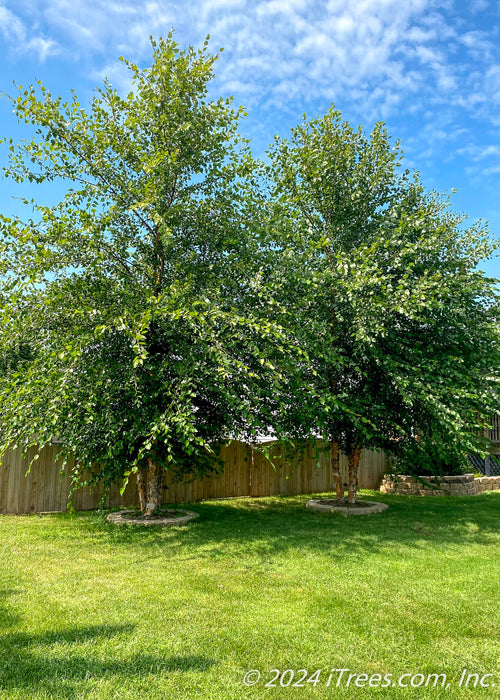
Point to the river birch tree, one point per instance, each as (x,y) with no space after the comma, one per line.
(127,329)
(380,276)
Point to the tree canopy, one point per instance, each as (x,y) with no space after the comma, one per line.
(128,328)
(182,293)
(400,327)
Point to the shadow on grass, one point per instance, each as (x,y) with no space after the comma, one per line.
(279,524)
(56,662)
(76,635)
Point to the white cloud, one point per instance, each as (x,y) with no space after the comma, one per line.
(492,83)
(286,7)
(21,40)
(427,55)
(478,153)
(479,45)
(478,5)
(212,6)
(384,55)
(11,26)
(484,172)
(418,35)
(428,67)
(333,46)
(117,74)
(43,47)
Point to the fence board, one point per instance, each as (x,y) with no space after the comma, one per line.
(495,430)
(6,468)
(11,465)
(247,472)
(3,475)
(15,482)
(52,476)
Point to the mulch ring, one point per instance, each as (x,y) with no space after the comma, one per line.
(163,519)
(331,505)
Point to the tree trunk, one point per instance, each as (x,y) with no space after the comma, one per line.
(141,487)
(154,484)
(335,462)
(353,461)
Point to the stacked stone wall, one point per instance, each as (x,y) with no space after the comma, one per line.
(401,484)
(487,483)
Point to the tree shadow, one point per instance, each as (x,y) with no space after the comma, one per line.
(254,531)
(278,524)
(33,660)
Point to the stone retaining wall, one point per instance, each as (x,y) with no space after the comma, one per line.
(463,485)
(487,483)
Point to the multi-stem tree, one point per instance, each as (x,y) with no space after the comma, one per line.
(127,328)
(400,328)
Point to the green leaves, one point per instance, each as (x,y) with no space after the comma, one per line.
(378,278)
(181,293)
(138,310)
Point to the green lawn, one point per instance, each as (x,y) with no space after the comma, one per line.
(91,610)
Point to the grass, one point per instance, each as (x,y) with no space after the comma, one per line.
(90,610)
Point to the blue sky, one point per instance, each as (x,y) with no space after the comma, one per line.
(429,68)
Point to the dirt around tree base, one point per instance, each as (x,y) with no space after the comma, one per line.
(331,505)
(346,504)
(164,518)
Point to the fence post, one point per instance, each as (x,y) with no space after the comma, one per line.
(487,465)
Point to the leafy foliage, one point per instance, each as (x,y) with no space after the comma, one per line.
(401,328)
(181,294)
(135,292)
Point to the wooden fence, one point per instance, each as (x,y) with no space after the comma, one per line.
(494,433)
(246,473)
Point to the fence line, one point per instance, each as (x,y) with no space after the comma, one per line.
(246,473)
(494,433)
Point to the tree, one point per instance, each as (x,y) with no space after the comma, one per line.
(399,326)
(127,326)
